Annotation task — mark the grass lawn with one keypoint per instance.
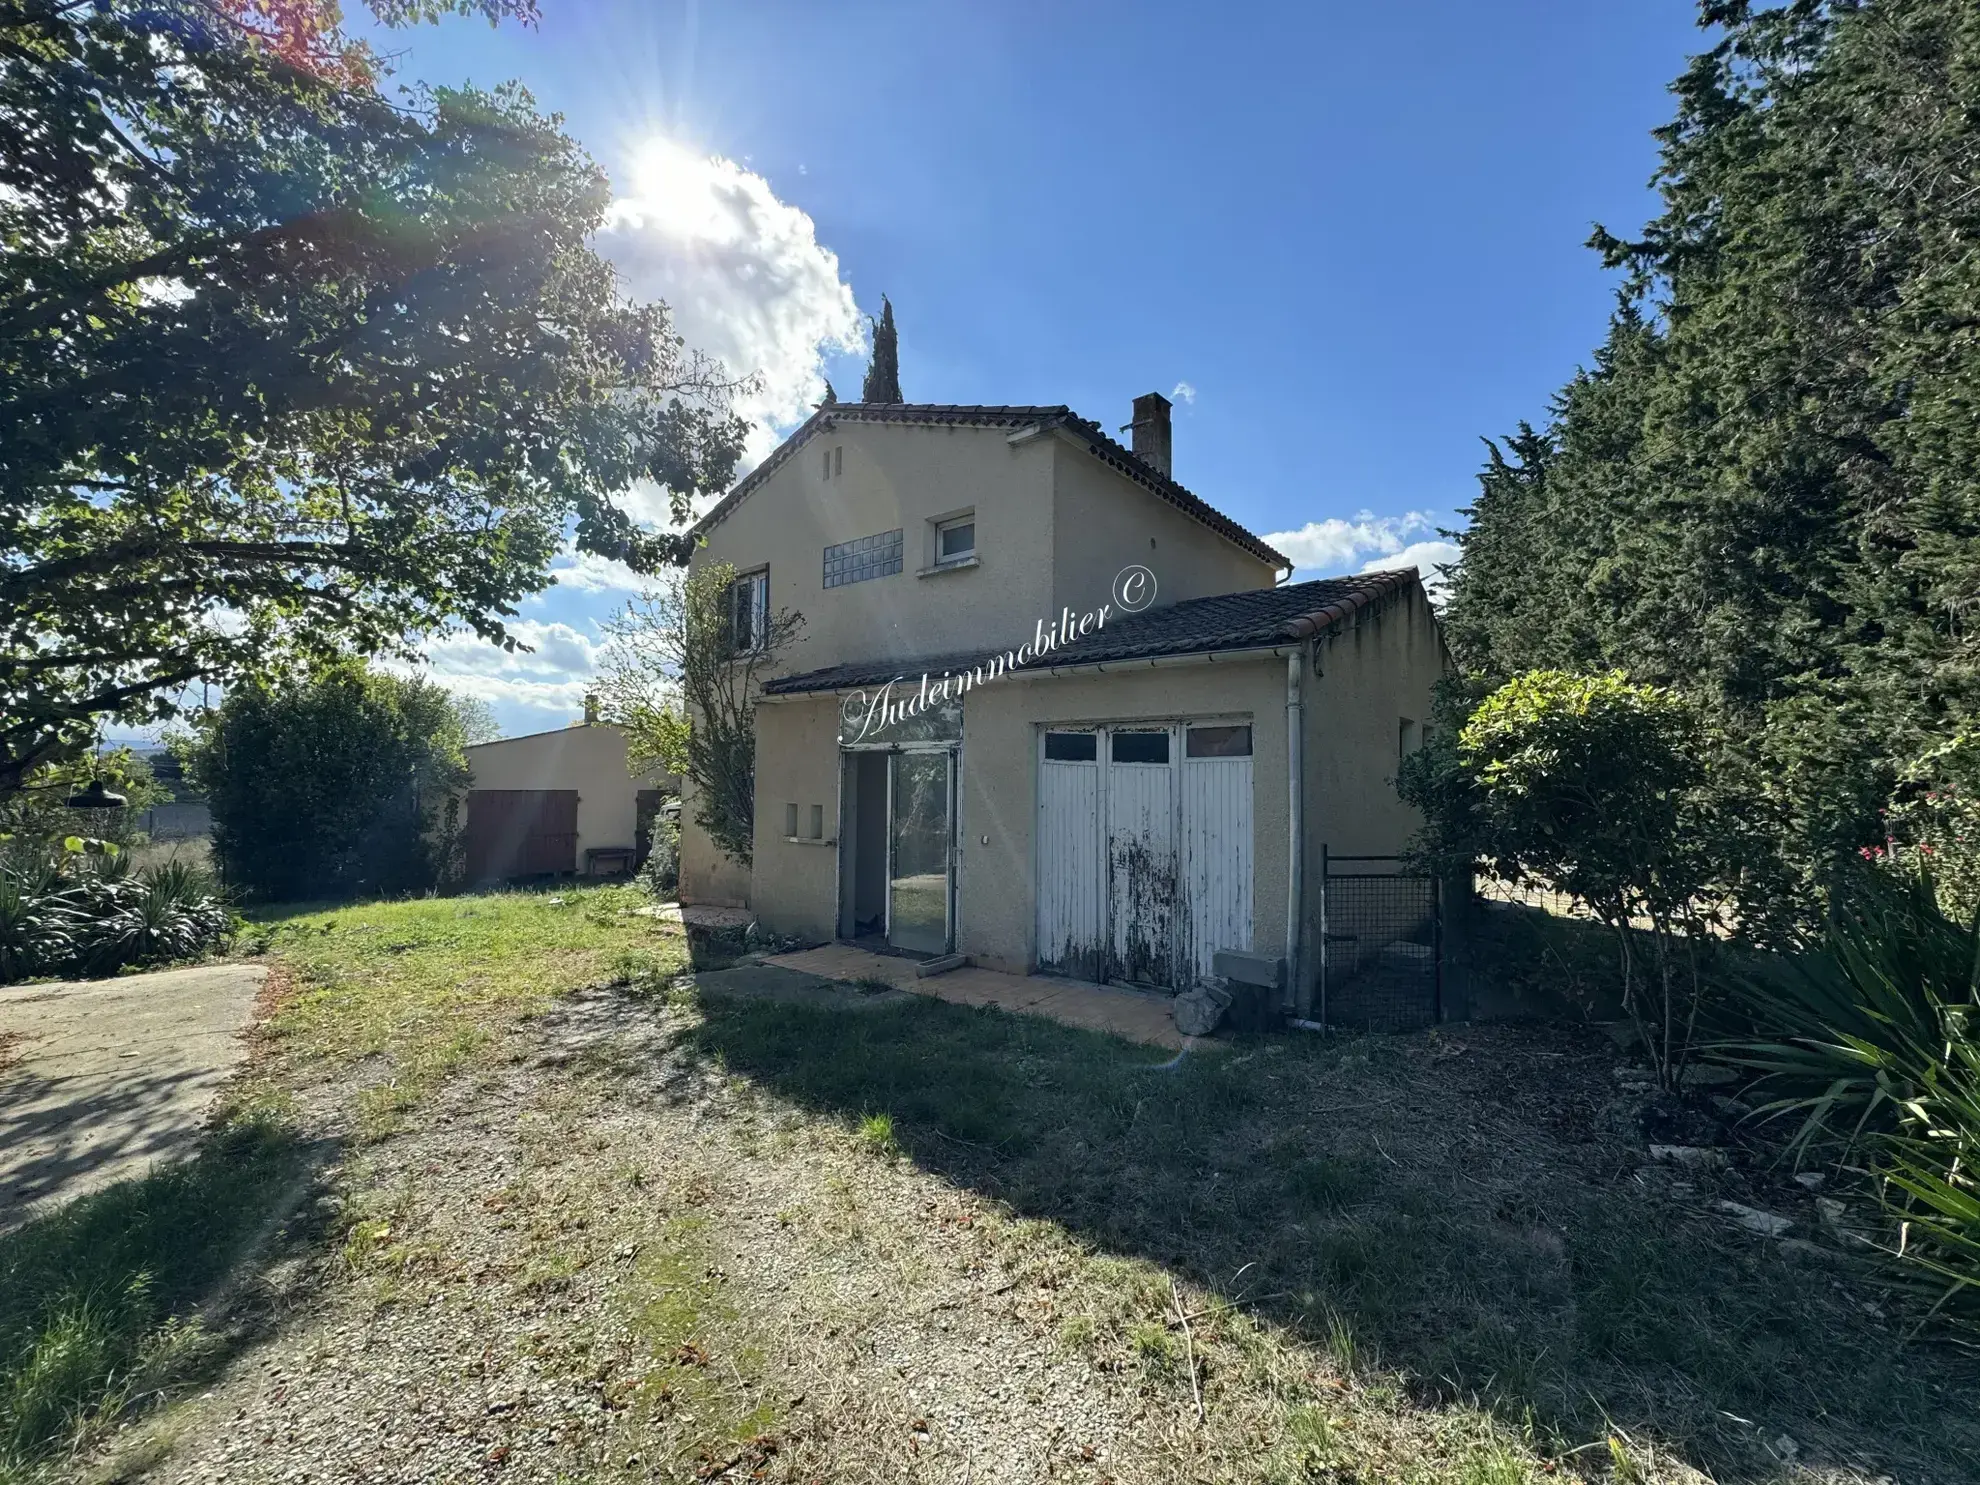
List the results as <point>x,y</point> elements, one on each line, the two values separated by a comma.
<point>677,1231</point>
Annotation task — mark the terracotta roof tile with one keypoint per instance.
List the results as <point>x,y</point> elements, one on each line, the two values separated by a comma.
<point>1258,619</point>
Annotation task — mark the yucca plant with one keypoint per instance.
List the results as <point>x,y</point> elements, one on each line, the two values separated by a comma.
<point>89,914</point>
<point>36,932</point>
<point>1870,1041</point>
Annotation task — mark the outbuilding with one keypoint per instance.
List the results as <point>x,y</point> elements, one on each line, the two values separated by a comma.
<point>559,803</point>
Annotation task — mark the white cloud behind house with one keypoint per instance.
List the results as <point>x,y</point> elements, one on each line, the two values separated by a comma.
<point>1426,557</point>
<point>1368,543</point>
<point>532,688</point>
<point>1329,546</point>
<point>747,279</point>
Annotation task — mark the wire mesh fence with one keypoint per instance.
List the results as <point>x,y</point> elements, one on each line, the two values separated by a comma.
<point>1381,952</point>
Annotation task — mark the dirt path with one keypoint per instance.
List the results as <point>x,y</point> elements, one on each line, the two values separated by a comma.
<point>106,1078</point>
<point>570,1266</point>
<point>641,1239</point>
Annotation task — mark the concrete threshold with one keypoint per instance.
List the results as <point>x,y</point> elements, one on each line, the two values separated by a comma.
<point>1129,1014</point>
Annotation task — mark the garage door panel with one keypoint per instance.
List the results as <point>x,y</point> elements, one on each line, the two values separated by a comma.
<point>1143,889</point>
<point>1070,873</point>
<point>1217,841</point>
<point>520,833</point>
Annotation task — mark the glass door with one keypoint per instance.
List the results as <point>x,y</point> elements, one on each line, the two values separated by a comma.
<point>919,787</point>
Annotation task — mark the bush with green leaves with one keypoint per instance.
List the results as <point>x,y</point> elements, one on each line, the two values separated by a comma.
<point>1933,824</point>
<point>1590,786</point>
<point>333,785</point>
<point>661,875</point>
<point>85,912</point>
<point>1872,1039</point>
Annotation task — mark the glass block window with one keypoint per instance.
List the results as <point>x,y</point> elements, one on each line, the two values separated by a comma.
<point>869,557</point>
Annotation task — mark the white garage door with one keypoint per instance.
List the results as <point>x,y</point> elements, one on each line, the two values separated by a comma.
<point>1071,876</point>
<point>1144,850</point>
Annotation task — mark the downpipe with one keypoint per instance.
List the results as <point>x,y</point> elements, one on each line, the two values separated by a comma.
<point>1295,826</point>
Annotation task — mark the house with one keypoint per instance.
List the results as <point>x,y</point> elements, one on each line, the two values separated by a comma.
<point>557,803</point>
<point>1049,709</point>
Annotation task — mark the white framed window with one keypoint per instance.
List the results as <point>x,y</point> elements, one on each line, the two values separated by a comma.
<point>749,611</point>
<point>955,540</point>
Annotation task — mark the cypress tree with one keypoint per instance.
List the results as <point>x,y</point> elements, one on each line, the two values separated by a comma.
<point>883,377</point>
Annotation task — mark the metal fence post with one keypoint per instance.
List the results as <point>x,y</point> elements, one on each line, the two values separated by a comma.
<point>1322,1017</point>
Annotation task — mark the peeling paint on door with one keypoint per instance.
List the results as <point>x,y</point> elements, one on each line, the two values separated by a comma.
<point>1144,860</point>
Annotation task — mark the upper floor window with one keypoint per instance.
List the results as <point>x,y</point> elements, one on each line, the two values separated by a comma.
<point>869,557</point>
<point>833,461</point>
<point>749,611</point>
<point>955,541</point>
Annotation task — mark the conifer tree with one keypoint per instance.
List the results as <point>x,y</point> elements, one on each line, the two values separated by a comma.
<point>1765,489</point>
<point>883,377</point>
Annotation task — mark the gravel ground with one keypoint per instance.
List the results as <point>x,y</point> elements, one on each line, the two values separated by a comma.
<point>487,1317</point>
<point>593,1254</point>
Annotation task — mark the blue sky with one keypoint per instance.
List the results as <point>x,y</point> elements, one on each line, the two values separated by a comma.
<point>1347,239</point>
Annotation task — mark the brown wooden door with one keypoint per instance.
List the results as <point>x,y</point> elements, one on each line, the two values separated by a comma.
<point>520,832</point>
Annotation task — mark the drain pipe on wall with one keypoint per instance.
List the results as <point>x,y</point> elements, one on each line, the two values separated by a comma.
<point>1295,823</point>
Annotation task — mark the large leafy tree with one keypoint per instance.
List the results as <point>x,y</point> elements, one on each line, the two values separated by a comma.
<point>1765,490</point>
<point>290,368</point>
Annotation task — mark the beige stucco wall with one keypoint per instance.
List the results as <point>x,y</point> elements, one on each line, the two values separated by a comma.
<point>1371,675</point>
<point>797,762</point>
<point>590,759</point>
<point>1102,521</point>
<point>795,888</point>
<point>907,477</point>
<point>707,876</point>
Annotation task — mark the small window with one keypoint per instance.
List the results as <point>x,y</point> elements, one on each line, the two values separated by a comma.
<point>825,468</point>
<point>955,540</point>
<point>749,611</point>
<point>857,561</point>
<point>790,821</point>
<point>1218,742</point>
<point>838,461</point>
<point>1072,747</point>
<point>1141,747</point>
<point>818,822</point>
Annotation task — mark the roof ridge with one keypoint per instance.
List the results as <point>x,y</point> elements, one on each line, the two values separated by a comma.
<point>1058,414</point>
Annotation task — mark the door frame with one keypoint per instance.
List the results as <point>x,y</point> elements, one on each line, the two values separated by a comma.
<point>1178,729</point>
<point>953,748</point>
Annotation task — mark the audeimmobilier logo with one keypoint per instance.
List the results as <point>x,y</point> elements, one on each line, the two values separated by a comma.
<point>865,713</point>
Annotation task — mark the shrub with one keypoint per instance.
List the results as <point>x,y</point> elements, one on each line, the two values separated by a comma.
<point>1590,786</point>
<point>332,785</point>
<point>1933,825</point>
<point>661,875</point>
<point>1873,1039</point>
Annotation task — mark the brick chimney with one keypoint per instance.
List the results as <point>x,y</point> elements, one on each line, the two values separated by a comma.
<point>1151,431</point>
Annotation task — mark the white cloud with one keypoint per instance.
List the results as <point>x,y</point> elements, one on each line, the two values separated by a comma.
<point>589,573</point>
<point>1330,545</point>
<point>553,676</point>
<point>744,273</point>
<point>1426,557</point>
<point>1184,392</point>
